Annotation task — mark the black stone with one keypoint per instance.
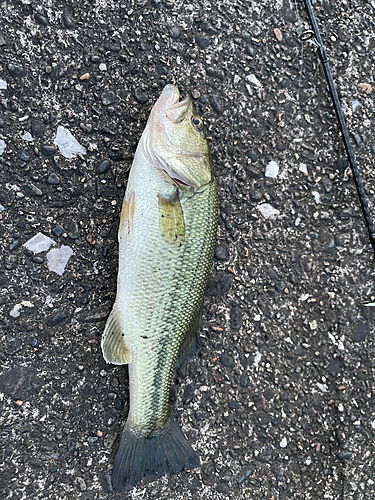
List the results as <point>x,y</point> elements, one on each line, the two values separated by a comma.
<point>68,21</point>
<point>20,382</point>
<point>250,50</point>
<point>232,404</point>
<point>271,273</point>
<point>235,318</point>
<point>53,179</point>
<point>48,151</point>
<point>140,96</point>
<point>189,391</point>
<point>268,393</point>
<point>175,32</point>
<point>28,252</point>
<point>115,154</point>
<point>345,455</point>
<point>214,73</point>
<point>14,245</point>
<point>71,446</point>
<point>244,474</point>
<point>38,260</point>
<point>103,167</point>
<point>37,129</point>
<point>74,191</point>
<point>56,231</point>
<point>41,20</point>
<point>16,71</point>
<point>245,380</point>
<point>342,165</point>
<point>265,455</point>
<point>57,73</point>
<point>202,42</point>
<point>218,287</point>
<point>216,104</point>
<point>198,415</point>
<point>108,97</point>
<point>226,360</point>
<point>221,252</point>
<point>360,332</point>
<point>333,366</point>
<point>161,70</point>
<point>24,155</point>
<point>56,318</point>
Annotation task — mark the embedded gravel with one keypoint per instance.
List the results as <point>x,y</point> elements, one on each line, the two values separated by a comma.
<point>279,404</point>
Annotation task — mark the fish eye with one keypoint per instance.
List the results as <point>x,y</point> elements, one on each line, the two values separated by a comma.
<point>197,123</point>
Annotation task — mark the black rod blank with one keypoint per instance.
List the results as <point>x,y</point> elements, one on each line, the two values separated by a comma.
<point>357,178</point>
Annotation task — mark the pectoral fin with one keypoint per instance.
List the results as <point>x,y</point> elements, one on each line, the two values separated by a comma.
<point>171,218</point>
<point>127,217</point>
<point>114,347</point>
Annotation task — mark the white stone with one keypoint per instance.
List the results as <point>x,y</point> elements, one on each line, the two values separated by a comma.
<point>58,258</point>
<point>236,79</point>
<point>272,169</point>
<point>303,168</point>
<point>16,311</point>
<point>283,443</point>
<point>257,359</point>
<point>267,210</point>
<point>39,243</point>
<point>254,80</point>
<point>2,146</point>
<point>316,196</point>
<point>355,104</point>
<point>322,387</point>
<point>103,67</point>
<point>3,85</point>
<point>313,324</point>
<point>27,137</point>
<point>67,143</point>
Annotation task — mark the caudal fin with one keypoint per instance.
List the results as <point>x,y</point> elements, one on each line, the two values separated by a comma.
<point>138,457</point>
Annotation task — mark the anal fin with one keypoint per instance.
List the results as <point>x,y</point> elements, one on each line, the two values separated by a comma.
<point>114,348</point>
<point>191,344</point>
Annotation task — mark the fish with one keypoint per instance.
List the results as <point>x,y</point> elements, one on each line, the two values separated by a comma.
<point>167,235</point>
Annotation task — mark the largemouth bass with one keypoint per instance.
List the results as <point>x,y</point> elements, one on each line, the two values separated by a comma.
<point>167,235</point>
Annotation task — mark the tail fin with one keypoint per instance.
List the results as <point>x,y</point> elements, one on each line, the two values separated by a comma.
<point>138,456</point>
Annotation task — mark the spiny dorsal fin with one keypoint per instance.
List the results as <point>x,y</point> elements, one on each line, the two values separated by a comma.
<point>114,349</point>
<point>171,218</point>
<point>191,344</point>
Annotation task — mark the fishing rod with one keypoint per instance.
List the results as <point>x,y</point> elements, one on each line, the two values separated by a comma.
<point>353,164</point>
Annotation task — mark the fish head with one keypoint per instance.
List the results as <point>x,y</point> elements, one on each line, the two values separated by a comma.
<point>177,142</point>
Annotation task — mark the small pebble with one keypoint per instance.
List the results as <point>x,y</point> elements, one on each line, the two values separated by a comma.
<point>53,179</point>
<point>365,87</point>
<point>268,210</point>
<point>103,67</point>
<point>103,167</point>
<point>48,151</point>
<point>140,96</point>
<point>108,97</point>
<point>56,231</point>
<point>16,71</point>
<point>85,76</point>
<point>283,443</point>
<point>216,104</point>
<point>175,32</point>
<point>272,170</point>
<point>254,80</point>
<point>25,156</point>
<point>278,34</point>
